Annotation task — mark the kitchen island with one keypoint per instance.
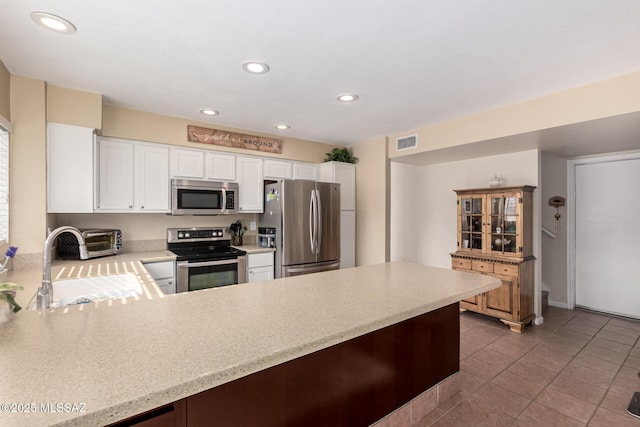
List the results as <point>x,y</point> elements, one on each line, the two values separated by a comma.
<point>111,362</point>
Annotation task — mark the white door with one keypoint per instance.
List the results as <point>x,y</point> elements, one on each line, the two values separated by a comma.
<point>607,257</point>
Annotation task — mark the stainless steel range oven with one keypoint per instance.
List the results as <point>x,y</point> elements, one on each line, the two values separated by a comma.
<point>205,258</point>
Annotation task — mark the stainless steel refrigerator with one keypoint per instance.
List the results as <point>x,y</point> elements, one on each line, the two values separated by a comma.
<point>306,216</point>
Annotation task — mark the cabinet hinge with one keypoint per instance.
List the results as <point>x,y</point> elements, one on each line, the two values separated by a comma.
<point>458,202</point>
<point>520,199</point>
<point>519,248</point>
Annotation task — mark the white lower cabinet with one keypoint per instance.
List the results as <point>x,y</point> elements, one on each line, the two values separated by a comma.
<point>163,272</point>
<point>260,267</point>
<point>251,185</point>
<point>132,176</point>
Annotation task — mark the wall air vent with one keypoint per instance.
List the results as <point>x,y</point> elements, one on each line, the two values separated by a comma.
<point>406,142</point>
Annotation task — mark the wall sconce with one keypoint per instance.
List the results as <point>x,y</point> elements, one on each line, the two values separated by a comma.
<point>557,202</point>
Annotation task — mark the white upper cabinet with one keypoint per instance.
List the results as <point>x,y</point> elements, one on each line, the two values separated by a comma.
<point>345,175</point>
<point>152,177</point>
<point>304,170</point>
<point>277,169</point>
<point>132,177</point>
<point>251,185</point>
<point>70,168</point>
<point>115,175</point>
<point>186,163</point>
<point>220,166</point>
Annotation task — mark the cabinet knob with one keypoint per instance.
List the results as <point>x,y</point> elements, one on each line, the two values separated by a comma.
<point>141,207</point>
<point>130,206</point>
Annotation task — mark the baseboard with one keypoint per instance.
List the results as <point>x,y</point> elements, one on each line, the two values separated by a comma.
<point>558,304</point>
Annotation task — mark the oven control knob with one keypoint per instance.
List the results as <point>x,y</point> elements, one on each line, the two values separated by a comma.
<point>187,235</point>
<point>180,235</point>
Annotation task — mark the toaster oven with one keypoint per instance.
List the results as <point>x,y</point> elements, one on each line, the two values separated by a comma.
<point>100,242</point>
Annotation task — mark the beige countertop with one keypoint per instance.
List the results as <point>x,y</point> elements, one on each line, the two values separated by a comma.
<point>120,360</point>
<point>31,278</point>
<point>254,249</point>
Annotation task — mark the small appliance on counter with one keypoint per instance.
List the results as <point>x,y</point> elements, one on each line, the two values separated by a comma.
<point>99,241</point>
<point>267,237</point>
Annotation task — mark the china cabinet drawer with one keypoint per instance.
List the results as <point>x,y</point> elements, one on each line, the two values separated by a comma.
<point>463,264</point>
<point>485,267</point>
<point>505,269</point>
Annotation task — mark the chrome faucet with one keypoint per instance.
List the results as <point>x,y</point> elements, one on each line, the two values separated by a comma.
<point>44,295</point>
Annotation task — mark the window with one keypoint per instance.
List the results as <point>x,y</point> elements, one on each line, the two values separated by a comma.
<point>4,185</point>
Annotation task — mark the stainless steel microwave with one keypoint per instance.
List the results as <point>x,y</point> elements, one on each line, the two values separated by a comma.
<point>190,197</point>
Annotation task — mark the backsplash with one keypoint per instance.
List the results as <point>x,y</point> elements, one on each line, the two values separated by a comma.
<point>149,227</point>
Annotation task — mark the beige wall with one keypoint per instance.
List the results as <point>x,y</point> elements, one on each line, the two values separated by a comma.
<point>423,216</point>
<point>603,99</point>
<point>28,165</point>
<point>372,217</point>
<point>131,124</point>
<point>5,104</point>
<point>74,107</point>
<point>35,103</point>
<point>554,250</point>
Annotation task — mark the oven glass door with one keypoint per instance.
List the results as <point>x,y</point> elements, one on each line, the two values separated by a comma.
<point>193,276</point>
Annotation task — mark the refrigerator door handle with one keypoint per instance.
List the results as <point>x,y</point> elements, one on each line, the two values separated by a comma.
<point>319,222</point>
<point>312,237</point>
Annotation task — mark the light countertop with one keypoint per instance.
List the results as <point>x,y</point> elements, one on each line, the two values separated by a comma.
<point>123,359</point>
<point>31,278</point>
<point>254,249</point>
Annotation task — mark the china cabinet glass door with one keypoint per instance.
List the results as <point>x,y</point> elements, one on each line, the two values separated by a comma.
<point>471,223</point>
<point>503,221</point>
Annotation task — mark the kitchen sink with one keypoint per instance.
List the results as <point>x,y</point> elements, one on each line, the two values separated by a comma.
<point>90,289</point>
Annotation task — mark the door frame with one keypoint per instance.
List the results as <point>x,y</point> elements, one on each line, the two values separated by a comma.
<point>571,211</point>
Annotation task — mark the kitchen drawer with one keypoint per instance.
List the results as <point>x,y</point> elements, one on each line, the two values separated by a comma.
<point>485,267</point>
<point>260,260</point>
<point>160,269</point>
<point>506,269</point>
<point>463,264</point>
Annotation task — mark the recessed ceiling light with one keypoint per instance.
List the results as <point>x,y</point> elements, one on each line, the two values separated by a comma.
<point>209,112</point>
<point>282,127</point>
<point>347,97</point>
<point>255,67</point>
<point>53,22</point>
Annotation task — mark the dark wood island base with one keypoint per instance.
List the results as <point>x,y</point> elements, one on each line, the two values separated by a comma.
<point>354,383</point>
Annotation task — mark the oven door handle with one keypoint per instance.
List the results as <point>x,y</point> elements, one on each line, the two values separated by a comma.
<point>187,264</point>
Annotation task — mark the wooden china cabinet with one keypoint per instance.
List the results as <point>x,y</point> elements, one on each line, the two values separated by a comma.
<point>495,237</point>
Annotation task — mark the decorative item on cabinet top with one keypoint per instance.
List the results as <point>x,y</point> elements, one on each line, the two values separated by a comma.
<point>232,139</point>
<point>340,154</point>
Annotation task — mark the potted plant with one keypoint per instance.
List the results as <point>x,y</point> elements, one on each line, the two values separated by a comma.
<point>237,231</point>
<point>340,154</point>
<point>8,303</point>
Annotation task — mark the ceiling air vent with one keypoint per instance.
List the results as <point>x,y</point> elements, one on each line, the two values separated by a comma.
<point>406,142</point>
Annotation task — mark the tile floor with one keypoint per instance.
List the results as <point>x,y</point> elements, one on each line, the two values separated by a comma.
<point>576,369</point>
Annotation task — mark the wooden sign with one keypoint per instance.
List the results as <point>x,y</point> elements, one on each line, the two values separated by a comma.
<point>232,139</point>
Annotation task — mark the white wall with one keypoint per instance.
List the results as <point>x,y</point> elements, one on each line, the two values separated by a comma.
<point>554,250</point>
<point>423,204</point>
